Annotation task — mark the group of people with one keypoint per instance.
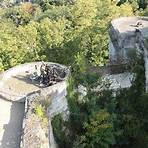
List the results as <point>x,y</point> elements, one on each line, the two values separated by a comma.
<point>138,24</point>
<point>47,74</point>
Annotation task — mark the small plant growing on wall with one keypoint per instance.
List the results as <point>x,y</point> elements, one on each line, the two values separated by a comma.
<point>39,111</point>
<point>41,105</point>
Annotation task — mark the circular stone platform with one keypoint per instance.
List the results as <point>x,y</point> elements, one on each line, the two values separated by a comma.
<point>15,83</point>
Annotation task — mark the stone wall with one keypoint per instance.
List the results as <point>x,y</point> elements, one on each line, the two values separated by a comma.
<point>33,133</point>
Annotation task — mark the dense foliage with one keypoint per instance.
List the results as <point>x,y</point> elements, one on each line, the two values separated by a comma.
<point>132,112</point>
<point>75,33</point>
<point>137,4</point>
<point>63,33</point>
<point>101,119</point>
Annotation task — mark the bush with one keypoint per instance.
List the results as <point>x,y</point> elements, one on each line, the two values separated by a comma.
<point>60,132</point>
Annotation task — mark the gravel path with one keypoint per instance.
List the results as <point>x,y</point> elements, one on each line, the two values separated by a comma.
<point>11,116</point>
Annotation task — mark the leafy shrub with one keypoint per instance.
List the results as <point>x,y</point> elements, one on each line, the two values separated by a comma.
<point>60,132</point>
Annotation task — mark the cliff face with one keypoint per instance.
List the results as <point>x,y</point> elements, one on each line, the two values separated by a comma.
<point>128,37</point>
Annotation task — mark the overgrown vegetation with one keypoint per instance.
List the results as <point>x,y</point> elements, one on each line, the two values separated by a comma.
<point>40,109</point>
<point>62,33</point>
<point>104,120</point>
<point>75,33</point>
<point>132,109</point>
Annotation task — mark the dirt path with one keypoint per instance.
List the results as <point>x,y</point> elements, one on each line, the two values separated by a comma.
<point>11,116</point>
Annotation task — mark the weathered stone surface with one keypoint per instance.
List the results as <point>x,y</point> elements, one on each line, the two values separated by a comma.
<point>128,39</point>
<point>124,39</point>
<point>11,117</point>
<point>34,133</point>
<point>114,82</point>
<point>119,81</point>
<point>15,85</point>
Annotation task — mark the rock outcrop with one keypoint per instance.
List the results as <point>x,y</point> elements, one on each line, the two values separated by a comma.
<point>16,85</point>
<point>128,38</point>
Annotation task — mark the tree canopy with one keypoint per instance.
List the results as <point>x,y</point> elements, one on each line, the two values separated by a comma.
<point>49,31</point>
<point>75,33</point>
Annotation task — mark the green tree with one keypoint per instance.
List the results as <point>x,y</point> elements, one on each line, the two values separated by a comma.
<point>22,14</point>
<point>9,53</point>
<point>92,38</point>
<point>28,41</point>
<point>136,4</point>
<point>98,131</point>
<point>51,36</point>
